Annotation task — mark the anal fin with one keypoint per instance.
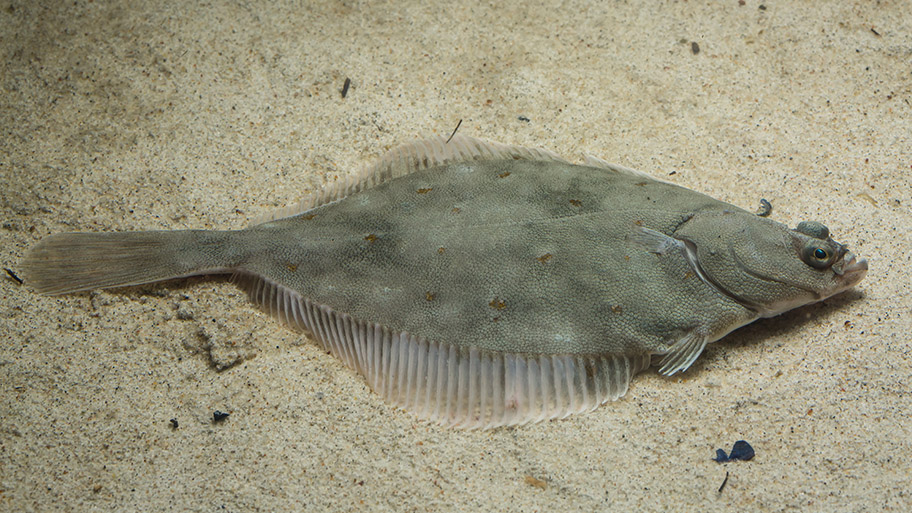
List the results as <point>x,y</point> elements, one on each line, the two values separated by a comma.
<point>464,387</point>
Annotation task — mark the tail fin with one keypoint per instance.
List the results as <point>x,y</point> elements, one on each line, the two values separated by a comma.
<point>72,262</point>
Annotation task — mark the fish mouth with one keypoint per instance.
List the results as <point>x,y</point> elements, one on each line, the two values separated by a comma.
<point>852,269</point>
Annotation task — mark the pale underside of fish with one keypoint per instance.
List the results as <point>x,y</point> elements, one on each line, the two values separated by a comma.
<point>481,285</point>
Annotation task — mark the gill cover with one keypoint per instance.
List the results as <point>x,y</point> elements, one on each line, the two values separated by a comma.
<point>762,264</point>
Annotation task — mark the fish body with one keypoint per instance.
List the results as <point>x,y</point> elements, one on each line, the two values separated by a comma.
<point>481,285</point>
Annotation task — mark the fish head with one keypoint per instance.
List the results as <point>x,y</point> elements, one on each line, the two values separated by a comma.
<point>765,265</point>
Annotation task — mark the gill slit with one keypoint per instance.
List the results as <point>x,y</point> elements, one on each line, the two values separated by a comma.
<point>690,253</point>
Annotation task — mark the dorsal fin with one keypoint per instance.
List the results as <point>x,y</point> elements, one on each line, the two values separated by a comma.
<point>604,164</point>
<point>410,158</point>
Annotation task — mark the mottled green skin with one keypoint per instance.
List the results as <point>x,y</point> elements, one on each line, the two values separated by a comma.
<point>460,255</point>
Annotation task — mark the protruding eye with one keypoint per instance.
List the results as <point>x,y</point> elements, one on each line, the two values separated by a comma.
<point>813,229</point>
<point>816,256</point>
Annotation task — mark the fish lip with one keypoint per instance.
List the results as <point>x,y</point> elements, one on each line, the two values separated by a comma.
<point>853,269</point>
<point>853,265</point>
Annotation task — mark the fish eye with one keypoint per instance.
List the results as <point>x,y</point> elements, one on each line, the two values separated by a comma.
<point>816,256</point>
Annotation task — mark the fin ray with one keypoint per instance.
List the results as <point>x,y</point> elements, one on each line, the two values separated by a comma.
<point>683,353</point>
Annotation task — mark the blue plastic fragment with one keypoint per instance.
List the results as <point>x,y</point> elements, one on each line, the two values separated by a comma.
<point>740,451</point>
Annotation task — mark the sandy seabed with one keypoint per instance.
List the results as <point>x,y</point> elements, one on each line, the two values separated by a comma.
<point>124,115</point>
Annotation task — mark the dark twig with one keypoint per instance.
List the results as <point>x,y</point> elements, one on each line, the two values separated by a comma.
<point>13,275</point>
<point>724,482</point>
<point>454,132</point>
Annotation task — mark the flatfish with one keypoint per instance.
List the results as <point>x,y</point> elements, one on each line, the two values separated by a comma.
<point>478,284</point>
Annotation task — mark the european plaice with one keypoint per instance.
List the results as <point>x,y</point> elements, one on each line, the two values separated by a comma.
<point>478,284</point>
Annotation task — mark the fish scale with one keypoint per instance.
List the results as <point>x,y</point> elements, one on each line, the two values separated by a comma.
<point>480,285</point>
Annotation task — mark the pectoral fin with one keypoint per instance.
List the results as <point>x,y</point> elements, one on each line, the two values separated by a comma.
<point>653,241</point>
<point>683,353</point>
